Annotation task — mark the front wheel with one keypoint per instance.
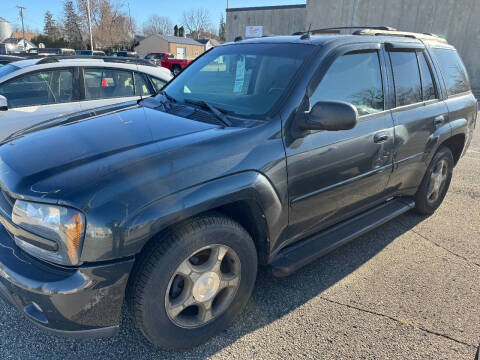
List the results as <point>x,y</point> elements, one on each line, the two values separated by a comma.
<point>193,281</point>
<point>435,183</point>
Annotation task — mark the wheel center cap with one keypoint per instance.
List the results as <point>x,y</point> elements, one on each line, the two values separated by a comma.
<point>206,286</point>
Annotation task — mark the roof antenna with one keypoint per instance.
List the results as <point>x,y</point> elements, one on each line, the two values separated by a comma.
<point>306,36</point>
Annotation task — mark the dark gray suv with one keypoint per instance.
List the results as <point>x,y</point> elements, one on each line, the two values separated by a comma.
<point>271,151</point>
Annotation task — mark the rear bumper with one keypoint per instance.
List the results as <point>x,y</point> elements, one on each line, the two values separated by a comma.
<point>80,302</point>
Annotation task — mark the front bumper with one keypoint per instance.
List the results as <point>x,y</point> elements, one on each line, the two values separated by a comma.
<point>79,302</point>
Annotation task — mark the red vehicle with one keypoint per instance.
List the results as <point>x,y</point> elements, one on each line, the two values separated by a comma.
<point>168,60</point>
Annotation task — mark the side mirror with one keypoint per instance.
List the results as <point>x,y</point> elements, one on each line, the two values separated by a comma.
<point>3,103</point>
<point>331,116</point>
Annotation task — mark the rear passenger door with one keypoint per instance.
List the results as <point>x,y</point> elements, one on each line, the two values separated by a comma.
<point>106,86</point>
<point>418,112</point>
<point>38,96</point>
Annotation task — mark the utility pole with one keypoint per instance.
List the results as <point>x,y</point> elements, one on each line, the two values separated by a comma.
<point>21,8</point>
<point>90,25</point>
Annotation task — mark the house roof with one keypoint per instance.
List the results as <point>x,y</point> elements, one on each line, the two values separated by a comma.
<point>177,39</point>
<point>214,42</point>
<point>28,36</point>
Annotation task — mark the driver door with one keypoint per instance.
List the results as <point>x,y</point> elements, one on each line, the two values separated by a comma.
<point>333,175</point>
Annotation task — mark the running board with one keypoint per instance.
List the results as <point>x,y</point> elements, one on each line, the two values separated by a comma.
<point>298,255</point>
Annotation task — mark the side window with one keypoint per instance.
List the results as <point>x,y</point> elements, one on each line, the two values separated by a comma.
<point>40,88</point>
<point>356,79</point>
<point>108,83</point>
<point>428,88</point>
<point>406,76</point>
<point>453,70</point>
<point>159,84</point>
<point>141,85</point>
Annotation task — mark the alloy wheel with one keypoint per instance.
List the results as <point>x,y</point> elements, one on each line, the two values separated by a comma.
<point>203,286</point>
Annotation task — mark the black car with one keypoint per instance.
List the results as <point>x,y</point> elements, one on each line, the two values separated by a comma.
<point>270,151</point>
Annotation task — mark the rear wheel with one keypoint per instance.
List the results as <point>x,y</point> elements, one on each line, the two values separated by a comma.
<point>176,70</point>
<point>193,281</point>
<point>435,183</point>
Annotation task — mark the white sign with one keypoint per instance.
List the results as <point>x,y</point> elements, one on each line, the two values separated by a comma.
<point>239,76</point>
<point>253,31</point>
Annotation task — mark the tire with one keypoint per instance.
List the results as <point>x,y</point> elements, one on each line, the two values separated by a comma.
<point>159,282</point>
<point>442,163</point>
<point>176,70</point>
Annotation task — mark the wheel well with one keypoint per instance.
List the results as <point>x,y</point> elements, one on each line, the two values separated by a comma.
<point>455,144</point>
<point>249,214</point>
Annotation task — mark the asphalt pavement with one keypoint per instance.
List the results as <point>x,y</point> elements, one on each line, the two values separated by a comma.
<point>408,290</point>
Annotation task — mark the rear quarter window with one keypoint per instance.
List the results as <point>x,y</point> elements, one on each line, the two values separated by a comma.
<point>453,71</point>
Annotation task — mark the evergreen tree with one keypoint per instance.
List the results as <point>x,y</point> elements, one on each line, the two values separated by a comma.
<point>71,25</point>
<point>50,28</point>
<point>175,30</point>
<point>181,31</point>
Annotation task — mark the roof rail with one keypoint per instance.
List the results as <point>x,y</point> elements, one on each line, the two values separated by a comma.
<point>112,59</point>
<point>413,35</point>
<point>385,28</point>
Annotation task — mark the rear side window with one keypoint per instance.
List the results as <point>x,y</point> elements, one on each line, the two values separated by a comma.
<point>141,85</point>
<point>107,83</point>
<point>354,78</point>
<point>159,84</point>
<point>428,87</point>
<point>406,76</point>
<point>40,88</point>
<point>453,70</point>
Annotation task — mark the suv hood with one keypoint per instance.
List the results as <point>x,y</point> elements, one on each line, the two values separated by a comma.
<point>84,147</point>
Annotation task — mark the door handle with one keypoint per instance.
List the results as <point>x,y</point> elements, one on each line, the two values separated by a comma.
<point>438,120</point>
<point>380,137</point>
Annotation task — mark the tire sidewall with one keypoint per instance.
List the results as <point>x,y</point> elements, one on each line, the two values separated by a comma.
<point>422,204</point>
<point>158,327</point>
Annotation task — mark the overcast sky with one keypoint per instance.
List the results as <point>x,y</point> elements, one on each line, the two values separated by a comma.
<point>139,9</point>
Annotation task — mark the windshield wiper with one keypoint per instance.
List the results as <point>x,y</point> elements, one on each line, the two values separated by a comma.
<point>221,116</point>
<point>164,93</point>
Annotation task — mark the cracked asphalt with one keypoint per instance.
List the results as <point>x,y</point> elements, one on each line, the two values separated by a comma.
<point>408,290</point>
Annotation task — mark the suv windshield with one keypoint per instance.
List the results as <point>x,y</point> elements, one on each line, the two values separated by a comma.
<point>242,79</point>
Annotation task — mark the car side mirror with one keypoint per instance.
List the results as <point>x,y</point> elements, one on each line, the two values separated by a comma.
<point>3,103</point>
<point>331,116</point>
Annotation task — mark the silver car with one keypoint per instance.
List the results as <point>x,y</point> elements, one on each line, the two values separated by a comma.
<point>35,90</point>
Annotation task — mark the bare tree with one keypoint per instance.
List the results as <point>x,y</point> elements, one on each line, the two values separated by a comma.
<point>197,22</point>
<point>157,25</point>
<point>112,27</point>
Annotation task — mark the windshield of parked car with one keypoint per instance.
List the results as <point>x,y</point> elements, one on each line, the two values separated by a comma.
<point>7,69</point>
<point>242,79</point>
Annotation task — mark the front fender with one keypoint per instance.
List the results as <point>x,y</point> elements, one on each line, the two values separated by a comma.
<point>154,217</point>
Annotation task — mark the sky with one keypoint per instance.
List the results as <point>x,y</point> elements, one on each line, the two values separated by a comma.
<point>140,10</point>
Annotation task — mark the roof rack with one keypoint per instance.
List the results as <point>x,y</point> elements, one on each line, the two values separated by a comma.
<point>377,31</point>
<point>330,29</point>
<point>112,59</point>
<point>413,35</point>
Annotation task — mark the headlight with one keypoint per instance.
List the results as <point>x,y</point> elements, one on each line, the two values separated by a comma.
<point>63,225</point>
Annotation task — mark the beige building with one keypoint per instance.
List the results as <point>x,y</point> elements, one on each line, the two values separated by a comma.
<point>181,48</point>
